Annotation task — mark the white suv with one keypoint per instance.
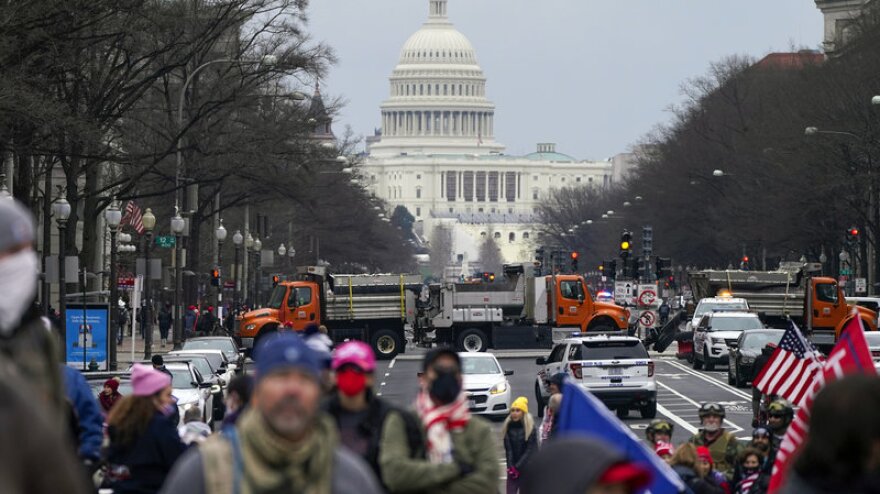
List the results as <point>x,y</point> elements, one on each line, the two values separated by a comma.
<point>616,369</point>
<point>711,304</point>
<point>715,330</point>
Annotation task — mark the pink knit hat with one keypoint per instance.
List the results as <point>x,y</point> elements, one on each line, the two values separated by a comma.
<point>147,381</point>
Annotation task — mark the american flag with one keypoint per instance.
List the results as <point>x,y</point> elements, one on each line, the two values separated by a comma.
<point>746,483</point>
<point>133,217</point>
<point>791,369</point>
<point>849,356</point>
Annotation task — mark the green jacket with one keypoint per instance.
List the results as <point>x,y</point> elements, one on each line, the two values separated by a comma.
<point>33,353</point>
<point>407,471</point>
<point>725,450</point>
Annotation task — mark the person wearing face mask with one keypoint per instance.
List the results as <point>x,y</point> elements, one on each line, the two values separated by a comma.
<point>722,444</point>
<point>144,442</point>
<point>26,338</point>
<point>360,415</point>
<point>751,478</point>
<point>458,453</point>
<point>761,442</point>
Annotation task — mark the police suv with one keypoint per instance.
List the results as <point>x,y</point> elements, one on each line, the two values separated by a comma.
<point>615,368</point>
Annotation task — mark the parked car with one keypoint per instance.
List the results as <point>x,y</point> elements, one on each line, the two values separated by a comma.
<point>209,374</point>
<point>225,344</point>
<point>96,381</point>
<point>485,384</point>
<point>216,357</point>
<point>715,330</point>
<point>743,352</point>
<point>616,369</point>
<point>191,389</point>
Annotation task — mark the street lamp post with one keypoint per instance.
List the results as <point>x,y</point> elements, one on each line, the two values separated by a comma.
<point>291,253</point>
<point>62,213</point>
<point>220,234</point>
<point>237,239</point>
<point>258,248</point>
<point>177,226</point>
<point>113,216</point>
<point>149,221</point>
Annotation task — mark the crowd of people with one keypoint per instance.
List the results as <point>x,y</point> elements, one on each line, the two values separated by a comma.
<point>310,421</point>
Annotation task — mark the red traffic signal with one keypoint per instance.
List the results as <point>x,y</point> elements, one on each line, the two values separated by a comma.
<point>574,255</point>
<point>853,232</point>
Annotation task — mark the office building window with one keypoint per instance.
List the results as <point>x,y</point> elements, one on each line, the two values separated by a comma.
<point>493,186</point>
<point>468,186</point>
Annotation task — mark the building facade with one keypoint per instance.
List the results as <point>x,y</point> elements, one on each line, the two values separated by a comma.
<point>436,152</point>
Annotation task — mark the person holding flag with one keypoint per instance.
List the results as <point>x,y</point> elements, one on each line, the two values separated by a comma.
<point>838,450</point>
<point>582,417</point>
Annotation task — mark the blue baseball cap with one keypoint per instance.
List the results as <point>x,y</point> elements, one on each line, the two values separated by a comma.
<point>284,351</point>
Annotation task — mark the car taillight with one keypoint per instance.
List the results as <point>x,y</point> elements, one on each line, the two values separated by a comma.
<point>650,369</point>
<point>577,371</point>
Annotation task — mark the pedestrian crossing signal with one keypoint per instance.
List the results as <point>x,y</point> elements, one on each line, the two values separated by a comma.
<point>215,277</point>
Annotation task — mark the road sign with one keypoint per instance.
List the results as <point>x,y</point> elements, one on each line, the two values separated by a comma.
<point>845,271</point>
<point>647,295</point>
<point>861,285</point>
<point>165,241</point>
<point>647,318</point>
<point>624,293</point>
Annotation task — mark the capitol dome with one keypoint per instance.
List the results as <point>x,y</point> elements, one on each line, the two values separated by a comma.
<point>437,100</point>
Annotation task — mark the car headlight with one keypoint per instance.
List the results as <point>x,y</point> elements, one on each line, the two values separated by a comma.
<point>498,388</point>
<point>250,327</point>
<point>717,341</point>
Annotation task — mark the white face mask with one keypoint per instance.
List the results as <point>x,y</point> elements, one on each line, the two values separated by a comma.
<point>18,284</point>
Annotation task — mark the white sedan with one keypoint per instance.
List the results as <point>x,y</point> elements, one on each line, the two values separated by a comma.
<point>485,384</point>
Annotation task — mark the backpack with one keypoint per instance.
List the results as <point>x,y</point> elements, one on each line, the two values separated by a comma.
<point>414,439</point>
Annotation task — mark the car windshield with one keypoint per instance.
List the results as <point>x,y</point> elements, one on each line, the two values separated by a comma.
<point>479,365</point>
<point>706,307</point>
<point>216,359</point>
<point>223,345</point>
<point>873,338</point>
<point>201,364</point>
<point>277,297</point>
<point>181,378</point>
<point>756,340</point>
<point>613,350</point>
<point>98,386</point>
<point>735,323</point>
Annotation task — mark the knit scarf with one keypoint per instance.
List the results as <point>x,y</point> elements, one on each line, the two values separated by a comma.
<point>439,421</point>
<point>273,465</point>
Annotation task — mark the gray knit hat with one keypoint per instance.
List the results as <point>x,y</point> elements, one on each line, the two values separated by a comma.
<point>16,225</point>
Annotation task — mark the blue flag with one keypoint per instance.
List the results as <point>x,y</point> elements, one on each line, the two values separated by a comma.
<point>582,413</point>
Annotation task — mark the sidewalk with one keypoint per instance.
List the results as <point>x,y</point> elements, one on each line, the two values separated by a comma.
<point>123,352</point>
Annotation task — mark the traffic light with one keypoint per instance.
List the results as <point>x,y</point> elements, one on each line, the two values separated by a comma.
<point>574,262</point>
<point>663,267</point>
<point>215,277</point>
<point>488,277</point>
<point>852,234</point>
<point>625,244</point>
<point>609,269</point>
<point>744,263</point>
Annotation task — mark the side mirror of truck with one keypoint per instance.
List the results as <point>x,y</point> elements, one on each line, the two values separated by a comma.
<point>581,299</point>
<point>541,360</point>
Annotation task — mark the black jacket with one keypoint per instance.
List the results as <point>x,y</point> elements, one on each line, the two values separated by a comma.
<point>517,447</point>
<point>148,459</point>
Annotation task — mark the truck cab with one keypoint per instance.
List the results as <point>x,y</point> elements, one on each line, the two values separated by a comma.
<point>576,308</point>
<point>292,304</point>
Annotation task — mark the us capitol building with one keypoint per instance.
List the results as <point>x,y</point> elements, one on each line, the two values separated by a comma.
<point>436,152</point>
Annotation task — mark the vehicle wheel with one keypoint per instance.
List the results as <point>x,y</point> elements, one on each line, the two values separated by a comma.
<point>696,362</point>
<point>539,400</point>
<point>649,411</point>
<point>386,344</point>
<point>472,340</point>
<point>690,358</point>
<point>622,412</point>
<point>738,380</point>
<point>706,361</point>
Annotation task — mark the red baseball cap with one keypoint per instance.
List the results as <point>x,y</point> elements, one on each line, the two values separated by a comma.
<point>631,474</point>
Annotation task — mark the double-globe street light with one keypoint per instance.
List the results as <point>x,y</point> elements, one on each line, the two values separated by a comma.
<point>149,222</point>
<point>113,216</point>
<point>237,240</point>
<point>61,208</point>
<point>220,234</point>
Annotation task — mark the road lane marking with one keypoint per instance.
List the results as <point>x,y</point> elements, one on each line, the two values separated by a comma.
<point>678,420</point>
<point>712,380</point>
<point>391,365</point>
<point>382,383</point>
<point>697,405</point>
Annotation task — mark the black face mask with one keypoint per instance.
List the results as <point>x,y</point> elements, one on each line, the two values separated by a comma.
<point>445,387</point>
<point>750,471</point>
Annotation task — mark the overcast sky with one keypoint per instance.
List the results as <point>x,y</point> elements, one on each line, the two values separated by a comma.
<point>592,76</point>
